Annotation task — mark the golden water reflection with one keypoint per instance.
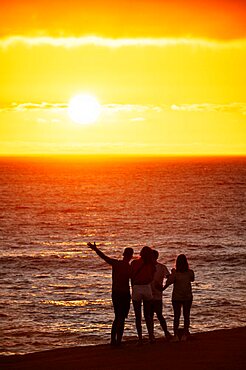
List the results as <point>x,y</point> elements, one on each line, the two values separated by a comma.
<point>77,303</point>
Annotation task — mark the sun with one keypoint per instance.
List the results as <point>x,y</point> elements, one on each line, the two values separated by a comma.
<point>84,109</point>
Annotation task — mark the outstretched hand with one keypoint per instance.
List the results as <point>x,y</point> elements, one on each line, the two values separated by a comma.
<point>92,246</point>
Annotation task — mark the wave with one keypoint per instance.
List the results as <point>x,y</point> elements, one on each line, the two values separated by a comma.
<point>75,257</point>
<point>3,315</point>
<point>238,259</point>
<point>42,262</point>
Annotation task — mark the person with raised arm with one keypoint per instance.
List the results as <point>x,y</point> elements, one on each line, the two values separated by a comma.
<point>121,296</point>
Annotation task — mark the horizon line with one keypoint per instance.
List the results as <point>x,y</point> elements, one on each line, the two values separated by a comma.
<point>147,155</point>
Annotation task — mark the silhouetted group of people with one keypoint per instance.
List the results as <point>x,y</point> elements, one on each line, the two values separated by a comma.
<point>147,276</point>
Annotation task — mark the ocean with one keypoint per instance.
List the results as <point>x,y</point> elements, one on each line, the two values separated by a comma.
<point>56,292</point>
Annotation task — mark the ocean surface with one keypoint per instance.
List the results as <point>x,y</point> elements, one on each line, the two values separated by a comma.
<point>55,291</point>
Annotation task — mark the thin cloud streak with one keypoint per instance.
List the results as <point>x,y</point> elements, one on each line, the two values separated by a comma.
<point>235,107</point>
<point>23,107</point>
<point>131,108</point>
<point>72,42</point>
<point>208,107</point>
<point>107,108</point>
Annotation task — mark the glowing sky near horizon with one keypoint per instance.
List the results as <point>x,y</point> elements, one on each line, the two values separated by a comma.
<point>170,76</point>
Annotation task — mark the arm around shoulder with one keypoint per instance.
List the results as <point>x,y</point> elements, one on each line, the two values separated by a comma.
<point>170,279</point>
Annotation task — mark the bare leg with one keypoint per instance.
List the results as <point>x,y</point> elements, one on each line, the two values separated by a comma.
<point>158,311</point>
<point>113,332</point>
<point>137,310</point>
<point>149,319</point>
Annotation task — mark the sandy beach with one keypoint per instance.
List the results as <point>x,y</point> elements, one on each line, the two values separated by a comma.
<point>220,349</point>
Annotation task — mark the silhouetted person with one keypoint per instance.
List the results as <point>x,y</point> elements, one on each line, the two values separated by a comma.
<point>121,296</point>
<point>181,278</point>
<point>161,272</point>
<point>142,273</point>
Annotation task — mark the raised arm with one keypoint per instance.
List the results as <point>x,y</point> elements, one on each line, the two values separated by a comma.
<point>100,253</point>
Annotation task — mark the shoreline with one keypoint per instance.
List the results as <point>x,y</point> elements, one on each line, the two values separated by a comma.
<point>213,350</point>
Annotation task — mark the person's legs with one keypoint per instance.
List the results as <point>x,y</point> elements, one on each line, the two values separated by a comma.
<point>158,310</point>
<point>123,310</point>
<point>119,329</point>
<point>121,304</point>
<point>113,333</point>
<point>137,310</point>
<point>186,313</point>
<point>152,309</point>
<point>114,324</point>
<point>149,318</point>
<point>177,311</point>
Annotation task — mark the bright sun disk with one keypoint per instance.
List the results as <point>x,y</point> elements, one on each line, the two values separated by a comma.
<point>84,109</point>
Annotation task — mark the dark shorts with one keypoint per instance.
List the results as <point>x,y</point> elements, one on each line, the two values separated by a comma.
<point>121,302</point>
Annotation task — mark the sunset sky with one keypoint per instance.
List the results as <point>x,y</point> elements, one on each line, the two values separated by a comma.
<point>170,76</point>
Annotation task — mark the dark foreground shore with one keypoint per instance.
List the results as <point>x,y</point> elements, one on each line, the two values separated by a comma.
<point>215,350</point>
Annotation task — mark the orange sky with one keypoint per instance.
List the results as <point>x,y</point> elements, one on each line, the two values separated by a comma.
<point>170,76</point>
<point>210,18</point>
